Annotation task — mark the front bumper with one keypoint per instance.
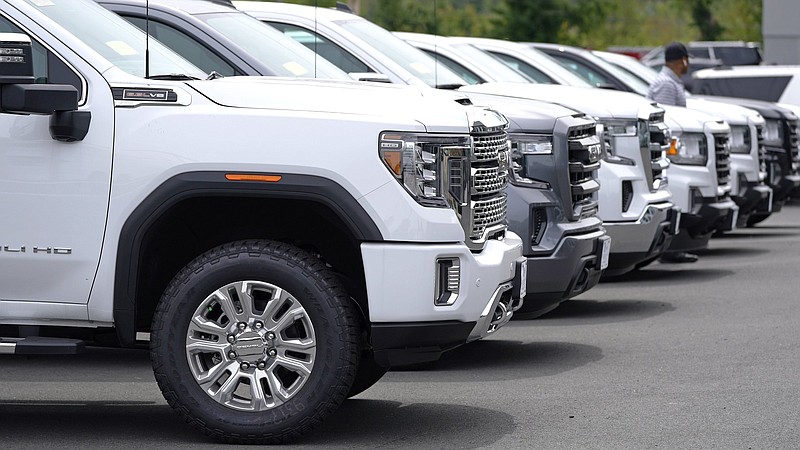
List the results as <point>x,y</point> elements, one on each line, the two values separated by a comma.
<point>756,198</point>
<point>633,243</point>
<point>572,269</point>
<point>401,283</point>
<point>696,228</point>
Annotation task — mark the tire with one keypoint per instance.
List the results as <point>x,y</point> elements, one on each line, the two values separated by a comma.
<point>369,373</point>
<point>269,372</point>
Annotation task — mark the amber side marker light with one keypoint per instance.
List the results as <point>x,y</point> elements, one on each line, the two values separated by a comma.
<point>673,147</point>
<point>253,177</point>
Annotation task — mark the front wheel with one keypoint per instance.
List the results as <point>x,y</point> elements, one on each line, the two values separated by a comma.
<point>255,342</point>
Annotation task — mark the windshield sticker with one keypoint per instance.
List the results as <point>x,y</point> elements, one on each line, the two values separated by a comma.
<point>420,67</point>
<point>41,3</point>
<point>122,48</point>
<point>295,68</point>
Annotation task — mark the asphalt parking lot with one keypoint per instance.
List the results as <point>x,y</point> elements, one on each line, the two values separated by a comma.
<point>702,355</point>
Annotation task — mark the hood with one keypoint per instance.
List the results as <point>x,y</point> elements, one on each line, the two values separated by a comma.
<point>601,103</point>
<point>437,111</point>
<point>525,115</point>
<point>685,120</point>
<point>768,110</point>
<point>733,114</point>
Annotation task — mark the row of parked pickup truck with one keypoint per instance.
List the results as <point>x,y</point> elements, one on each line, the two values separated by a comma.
<point>283,202</point>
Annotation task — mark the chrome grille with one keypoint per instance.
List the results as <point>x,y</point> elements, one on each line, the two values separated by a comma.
<point>722,153</point>
<point>762,149</point>
<point>660,138</point>
<point>487,147</point>
<point>793,140</point>
<point>489,180</point>
<point>584,161</point>
<point>489,170</point>
<point>487,213</point>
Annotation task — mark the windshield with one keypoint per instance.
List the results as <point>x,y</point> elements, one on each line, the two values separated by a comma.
<point>490,64</point>
<point>271,47</point>
<point>412,59</point>
<point>114,38</point>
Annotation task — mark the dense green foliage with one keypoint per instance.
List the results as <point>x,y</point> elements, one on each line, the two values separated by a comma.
<point>588,23</point>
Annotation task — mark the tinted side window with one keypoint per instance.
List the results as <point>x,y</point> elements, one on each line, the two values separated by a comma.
<point>47,67</point>
<point>589,74</point>
<point>468,75</point>
<point>184,45</point>
<point>323,47</point>
<point>699,52</point>
<point>532,72</point>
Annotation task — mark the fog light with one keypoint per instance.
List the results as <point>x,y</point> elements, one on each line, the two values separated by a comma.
<point>448,280</point>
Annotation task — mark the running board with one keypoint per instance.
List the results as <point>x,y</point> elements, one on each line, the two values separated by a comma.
<point>37,345</point>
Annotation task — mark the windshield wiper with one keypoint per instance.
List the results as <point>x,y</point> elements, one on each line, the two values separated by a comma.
<point>173,77</point>
<point>214,75</point>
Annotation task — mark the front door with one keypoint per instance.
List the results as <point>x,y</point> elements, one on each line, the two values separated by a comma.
<point>53,195</point>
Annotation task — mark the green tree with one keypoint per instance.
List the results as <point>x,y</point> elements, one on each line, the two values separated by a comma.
<point>587,23</point>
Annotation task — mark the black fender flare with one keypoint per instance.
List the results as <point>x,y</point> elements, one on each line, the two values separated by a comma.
<point>215,184</point>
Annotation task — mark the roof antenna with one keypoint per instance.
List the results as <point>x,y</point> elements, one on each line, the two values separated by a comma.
<point>342,6</point>
<point>147,39</point>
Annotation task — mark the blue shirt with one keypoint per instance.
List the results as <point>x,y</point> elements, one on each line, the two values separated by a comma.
<point>667,88</point>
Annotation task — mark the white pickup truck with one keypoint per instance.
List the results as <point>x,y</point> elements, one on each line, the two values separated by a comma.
<point>276,241</point>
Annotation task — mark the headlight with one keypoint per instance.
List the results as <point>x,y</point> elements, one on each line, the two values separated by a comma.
<point>523,149</point>
<point>689,148</point>
<point>773,133</point>
<point>615,130</point>
<point>416,161</point>
<point>740,139</point>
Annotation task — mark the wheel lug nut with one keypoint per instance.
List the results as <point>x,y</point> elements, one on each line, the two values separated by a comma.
<point>231,338</point>
<point>232,355</point>
<point>242,326</point>
<point>258,325</point>
<point>272,352</point>
<point>261,365</point>
<point>245,365</point>
<point>270,335</point>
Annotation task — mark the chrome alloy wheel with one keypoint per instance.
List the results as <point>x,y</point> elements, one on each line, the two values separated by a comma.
<point>251,346</point>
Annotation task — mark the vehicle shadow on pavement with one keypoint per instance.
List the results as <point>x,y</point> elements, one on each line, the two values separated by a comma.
<point>358,422</point>
<point>732,251</point>
<point>585,311</point>
<point>752,235</point>
<point>105,365</point>
<point>670,274</point>
<point>771,227</point>
<point>93,425</point>
<point>370,423</point>
<point>496,360</point>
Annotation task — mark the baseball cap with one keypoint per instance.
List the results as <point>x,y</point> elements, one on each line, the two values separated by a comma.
<point>675,51</point>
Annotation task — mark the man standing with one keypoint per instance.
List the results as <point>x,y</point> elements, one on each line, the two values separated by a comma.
<point>667,88</point>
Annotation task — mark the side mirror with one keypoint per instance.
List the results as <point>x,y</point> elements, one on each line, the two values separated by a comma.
<point>38,98</point>
<point>18,94</point>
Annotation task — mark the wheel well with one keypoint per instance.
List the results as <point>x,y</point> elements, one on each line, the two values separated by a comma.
<point>196,225</point>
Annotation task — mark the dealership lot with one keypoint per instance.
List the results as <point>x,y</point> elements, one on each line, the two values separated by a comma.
<point>701,355</point>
